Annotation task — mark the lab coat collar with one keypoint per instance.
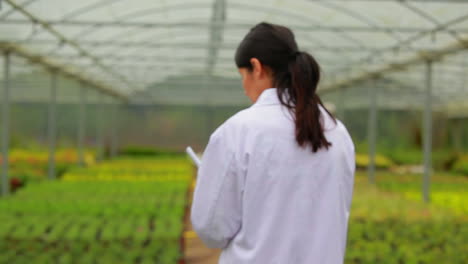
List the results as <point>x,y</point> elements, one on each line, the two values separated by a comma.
<point>268,97</point>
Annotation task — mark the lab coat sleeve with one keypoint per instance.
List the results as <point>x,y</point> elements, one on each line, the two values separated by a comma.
<point>217,203</point>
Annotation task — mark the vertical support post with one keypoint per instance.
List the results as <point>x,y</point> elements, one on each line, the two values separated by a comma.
<point>341,111</point>
<point>210,119</point>
<point>372,129</point>
<point>427,133</point>
<point>6,124</point>
<point>117,112</point>
<point>51,124</point>
<point>465,89</point>
<point>209,122</point>
<point>457,135</point>
<point>99,128</point>
<point>82,125</point>
<point>463,139</point>
<point>113,147</point>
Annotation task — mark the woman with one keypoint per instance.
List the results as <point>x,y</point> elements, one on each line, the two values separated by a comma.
<point>276,179</point>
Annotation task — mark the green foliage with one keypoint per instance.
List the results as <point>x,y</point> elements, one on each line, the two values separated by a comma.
<point>456,201</point>
<point>396,241</point>
<point>461,164</point>
<point>404,156</point>
<point>92,221</point>
<point>447,190</point>
<point>381,162</point>
<point>138,151</point>
<point>389,225</point>
<point>442,159</point>
<point>30,165</point>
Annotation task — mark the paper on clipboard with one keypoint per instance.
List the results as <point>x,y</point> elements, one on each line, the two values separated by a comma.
<point>193,156</point>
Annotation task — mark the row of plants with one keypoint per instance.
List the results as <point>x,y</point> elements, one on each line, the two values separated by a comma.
<point>442,160</point>
<point>120,219</point>
<point>446,190</point>
<point>142,169</point>
<point>381,162</point>
<point>140,151</point>
<point>397,241</point>
<point>461,164</point>
<point>30,165</point>
<point>40,156</point>
<point>386,226</point>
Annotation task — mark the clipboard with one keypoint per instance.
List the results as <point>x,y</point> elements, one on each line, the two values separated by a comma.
<point>196,160</point>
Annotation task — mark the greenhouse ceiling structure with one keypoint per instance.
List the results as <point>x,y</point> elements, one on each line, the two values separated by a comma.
<point>392,54</point>
<point>181,52</point>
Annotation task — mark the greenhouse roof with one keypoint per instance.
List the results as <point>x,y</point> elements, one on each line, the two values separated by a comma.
<point>181,52</point>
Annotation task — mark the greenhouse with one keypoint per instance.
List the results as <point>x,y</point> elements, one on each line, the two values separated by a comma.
<point>100,98</point>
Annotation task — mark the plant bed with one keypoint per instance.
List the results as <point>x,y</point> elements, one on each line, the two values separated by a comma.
<point>381,162</point>
<point>388,226</point>
<point>121,219</point>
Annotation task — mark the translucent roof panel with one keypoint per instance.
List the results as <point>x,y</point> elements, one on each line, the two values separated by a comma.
<point>139,49</point>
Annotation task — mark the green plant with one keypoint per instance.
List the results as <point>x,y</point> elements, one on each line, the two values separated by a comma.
<point>381,162</point>
<point>396,241</point>
<point>388,225</point>
<point>138,151</point>
<point>93,220</point>
<point>461,165</point>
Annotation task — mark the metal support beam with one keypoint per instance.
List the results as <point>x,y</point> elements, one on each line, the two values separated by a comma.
<point>341,107</point>
<point>51,125</point>
<point>427,133</point>
<point>457,135</point>
<point>372,129</point>
<point>210,121</point>
<point>421,57</point>
<point>82,125</point>
<point>218,20</point>
<point>63,40</point>
<point>191,44</point>
<point>239,26</point>
<point>113,146</point>
<point>59,68</point>
<point>100,106</point>
<point>463,142</point>
<point>6,124</point>
<point>464,66</point>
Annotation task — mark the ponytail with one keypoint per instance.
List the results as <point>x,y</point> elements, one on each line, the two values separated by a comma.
<point>305,76</point>
<point>296,76</point>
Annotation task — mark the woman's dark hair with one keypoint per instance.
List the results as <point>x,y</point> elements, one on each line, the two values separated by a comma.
<point>296,75</point>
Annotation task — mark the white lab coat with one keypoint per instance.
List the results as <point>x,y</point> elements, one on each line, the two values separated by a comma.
<point>264,200</point>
